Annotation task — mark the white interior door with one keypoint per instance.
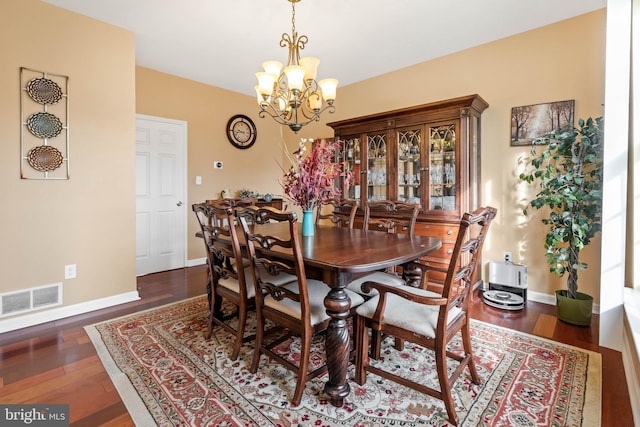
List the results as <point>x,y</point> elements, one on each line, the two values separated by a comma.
<point>161,211</point>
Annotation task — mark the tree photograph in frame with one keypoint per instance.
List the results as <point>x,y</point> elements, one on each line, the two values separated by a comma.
<point>531,123</point>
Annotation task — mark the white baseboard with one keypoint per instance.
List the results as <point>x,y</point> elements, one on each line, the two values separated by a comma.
<point>19,322</point>
<point>197,261</point>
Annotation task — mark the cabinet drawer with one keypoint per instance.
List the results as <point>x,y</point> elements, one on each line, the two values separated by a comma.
<point>441,231</point>
<point>444,253</point>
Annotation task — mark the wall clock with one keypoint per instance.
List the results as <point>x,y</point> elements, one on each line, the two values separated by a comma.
<point>241,131</point>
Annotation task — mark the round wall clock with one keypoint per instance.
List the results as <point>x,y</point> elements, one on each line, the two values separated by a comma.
<point>241,131</point>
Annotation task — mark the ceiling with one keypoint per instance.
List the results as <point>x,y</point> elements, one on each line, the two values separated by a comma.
<point>224,42</point>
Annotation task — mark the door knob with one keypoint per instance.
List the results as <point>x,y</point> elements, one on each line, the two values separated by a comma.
<point>179,203</point>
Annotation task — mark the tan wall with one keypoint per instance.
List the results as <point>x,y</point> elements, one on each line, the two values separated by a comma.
<point>206,109</point>
<point>554,63</point>
<point>87,220</point>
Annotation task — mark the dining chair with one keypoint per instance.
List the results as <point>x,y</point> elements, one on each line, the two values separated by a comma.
<point>228,275</point>
<point>206,217</point>
<point>426,318</point>
<point>391,217</point>
<point>232,202</point>
<point>297,306</point>
<point>342,214</point>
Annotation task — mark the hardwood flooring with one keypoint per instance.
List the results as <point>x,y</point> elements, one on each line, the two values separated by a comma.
<point>56,362</point>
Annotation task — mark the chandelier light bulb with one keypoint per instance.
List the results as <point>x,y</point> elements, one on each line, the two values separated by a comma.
<point>315,101</point>
<point>272,67</point>
<point>310,65</point>
<point>328,87</point>
<point>295,77</point>
<point>266,82</point>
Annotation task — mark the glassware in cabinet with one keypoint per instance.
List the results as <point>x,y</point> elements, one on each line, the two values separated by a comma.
<point>352,164</point>
<point>442,167</point>
<point>409,153</point>
<point>376,167</point>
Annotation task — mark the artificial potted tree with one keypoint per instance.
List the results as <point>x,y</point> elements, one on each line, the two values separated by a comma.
<point>569,174</point>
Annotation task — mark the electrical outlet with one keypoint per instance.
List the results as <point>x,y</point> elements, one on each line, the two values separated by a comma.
<point>217,164</point>
<point>507,256</point>
<point>70,271</point>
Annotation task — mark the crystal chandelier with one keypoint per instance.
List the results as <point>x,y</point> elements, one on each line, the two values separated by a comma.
<point>293,97</point>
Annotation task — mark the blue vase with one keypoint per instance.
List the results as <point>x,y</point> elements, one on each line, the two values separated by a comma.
<point>307,223</point>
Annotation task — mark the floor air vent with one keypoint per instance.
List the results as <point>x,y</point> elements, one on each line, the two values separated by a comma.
<point>30,299</point>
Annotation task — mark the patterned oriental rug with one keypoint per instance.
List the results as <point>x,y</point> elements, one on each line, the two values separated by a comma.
<point>168,375</point>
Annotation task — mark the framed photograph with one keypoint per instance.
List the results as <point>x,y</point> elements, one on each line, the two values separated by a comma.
<point>532,123</point>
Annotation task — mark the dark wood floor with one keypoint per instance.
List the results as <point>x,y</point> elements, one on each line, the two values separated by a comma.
<point>56,362</point>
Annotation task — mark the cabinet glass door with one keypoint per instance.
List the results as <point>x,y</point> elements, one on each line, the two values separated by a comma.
<point>352,164</point>
<point>376,167</point>
<point>442,167</point>
<point>409,165</point>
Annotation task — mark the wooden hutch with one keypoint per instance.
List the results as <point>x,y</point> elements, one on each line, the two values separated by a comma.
<point>427,154</point>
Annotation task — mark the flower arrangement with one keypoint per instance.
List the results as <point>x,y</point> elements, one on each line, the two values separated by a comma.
<point>310,180</point>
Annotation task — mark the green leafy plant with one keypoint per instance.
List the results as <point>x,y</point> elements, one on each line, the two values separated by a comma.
<point>569,174</point>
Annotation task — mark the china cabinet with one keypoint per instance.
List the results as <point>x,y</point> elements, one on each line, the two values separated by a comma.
<point>427,154</point>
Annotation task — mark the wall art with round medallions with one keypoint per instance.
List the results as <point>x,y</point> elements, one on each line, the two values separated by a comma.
<point>44,115</point>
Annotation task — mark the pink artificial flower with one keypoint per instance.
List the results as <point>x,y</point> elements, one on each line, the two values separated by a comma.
<point>311,180</point>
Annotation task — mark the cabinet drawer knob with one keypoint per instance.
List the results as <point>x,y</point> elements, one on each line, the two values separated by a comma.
<point>450,251</point>
<point>449,232</point>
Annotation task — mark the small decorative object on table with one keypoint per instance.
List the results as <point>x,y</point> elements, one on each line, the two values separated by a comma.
<point>244,193</point>
<point>310,180</point>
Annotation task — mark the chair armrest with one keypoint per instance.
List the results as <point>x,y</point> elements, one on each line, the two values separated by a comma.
<point>416,268</point>
<point>407,293</point>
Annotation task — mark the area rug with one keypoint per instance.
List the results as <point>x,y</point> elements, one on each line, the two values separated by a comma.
<point>168,375</point>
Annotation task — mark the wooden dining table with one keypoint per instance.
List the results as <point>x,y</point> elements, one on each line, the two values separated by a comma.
<point>336,255</point>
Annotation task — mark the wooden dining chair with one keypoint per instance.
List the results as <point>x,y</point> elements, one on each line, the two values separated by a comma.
<point>228,275</point>
<point>297,306</point>
<point>426,318</point>
<point>232,202</point>
<point>391,217</point>
<point>342,214</point>
<point>206,217</point>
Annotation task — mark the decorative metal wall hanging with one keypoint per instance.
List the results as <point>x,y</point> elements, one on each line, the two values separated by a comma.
<point>44,115</point>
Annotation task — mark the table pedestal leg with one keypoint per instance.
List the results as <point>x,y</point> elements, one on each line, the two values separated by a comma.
<point>337,346</point>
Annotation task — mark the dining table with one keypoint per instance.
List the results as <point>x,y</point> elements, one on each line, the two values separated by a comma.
<point>337,255</point>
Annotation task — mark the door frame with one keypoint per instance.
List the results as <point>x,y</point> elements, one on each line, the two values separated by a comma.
<point>185,224</point>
